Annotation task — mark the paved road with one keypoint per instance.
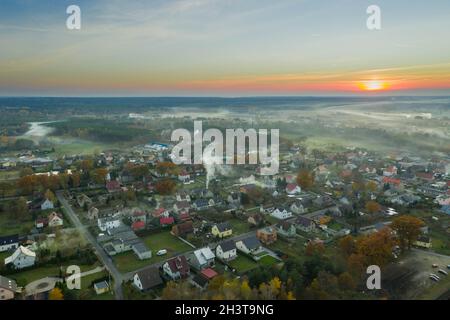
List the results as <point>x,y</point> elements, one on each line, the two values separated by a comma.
<point>104,258</point>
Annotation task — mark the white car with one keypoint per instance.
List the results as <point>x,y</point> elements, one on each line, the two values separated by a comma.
<point>443,271</point>
<point>161,252</point>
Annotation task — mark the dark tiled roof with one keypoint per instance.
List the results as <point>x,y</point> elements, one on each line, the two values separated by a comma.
<point>224,226</point>
<point>9,239</point>
<point>227,245</point>
<point>251,242</point>
<point>149,278</point>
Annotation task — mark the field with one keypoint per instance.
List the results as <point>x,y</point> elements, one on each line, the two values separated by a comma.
<point>9,175</point>
<point>239,226</point>
<point>243,264</point>
<point>127,262</point>
<point>10,227</point>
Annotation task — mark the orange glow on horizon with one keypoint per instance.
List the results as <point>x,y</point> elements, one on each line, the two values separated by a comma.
<point>373,85</point>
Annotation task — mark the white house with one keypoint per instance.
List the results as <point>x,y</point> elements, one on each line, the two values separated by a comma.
<point>21,258</point>
<point>176,268</point>
<point>9,242</point>
<point>226,250</point>
<point>54,220</point>
<point>47,205</point>
<point>250,245</point>
<point>297,207</point>
<point>281,213</point>
<point>107,223</point>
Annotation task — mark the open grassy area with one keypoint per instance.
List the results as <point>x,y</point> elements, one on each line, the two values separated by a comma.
<point>293,249</point>
<point>24,277</point>
<point>268,261</point>
<point>243,264</point>
<point>128,261</point>
<point>239,226</point>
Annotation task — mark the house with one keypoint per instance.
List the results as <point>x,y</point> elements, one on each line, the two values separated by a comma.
<point>166,221</point>
<point>201,204</point>
<point>201,258</point>
<point>281,213</point>
<point>181,206</point>
<point>305,224</point>
<point>248,188</point>
<point>21,258</point>
<point>160,212</point>
<point>249,245</point>
<point>267,235</point>
<point>83,200</point>
<point>55,220</point>
<point>393,183</point>
<point>183,196</point>
<point>423,242</point>
<point>176,268</point>
<point>222,230</point>
<point>200,282</point>
<point>234,198</point>
<point>141,251</point>
<point>8,288</point>
<point>8,243</point>
<point>108,223</point>
<point>390,171</point>
<point>113,186</point>
<point>292,189</point>
<point>101,287</point>
<point>183,229</point>
<point>286,229</point>
<point>138,225</point>
<point>92,213</point>
<point>226,251</point>
<point>139,215</point>
<point>255,219</point>
<point>47,205</point>
<point>147,279</point>
<point>297,207</point>
<point>425,176</point>
<point>41,223</point>
<point>208,274</point>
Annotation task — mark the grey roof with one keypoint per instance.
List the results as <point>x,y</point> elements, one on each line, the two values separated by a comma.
<point>8,284</point>
<point>101,285</point>
<point>140,247</point>
<point>149,278</point>
<point>227,245</point>
<point>224,226</point>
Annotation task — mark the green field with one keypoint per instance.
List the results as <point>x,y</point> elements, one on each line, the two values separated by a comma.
<point>268,261</point>
<point>239,226</point>
<point>9,175</point>
<point>10,227</point>
<point>243,264</point>
<point>127,262</point>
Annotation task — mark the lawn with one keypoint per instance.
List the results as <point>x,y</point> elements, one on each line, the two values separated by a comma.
<point>9,175</point>
<point>10,227</point>
<point>243,264</point>
<point>294,249</point>
<point>268,261</point>
<point>239,226</point>
<point>127,262</point>
<point>25,277</point>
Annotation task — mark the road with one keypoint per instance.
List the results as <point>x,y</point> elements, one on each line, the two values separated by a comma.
<point>101,254</point>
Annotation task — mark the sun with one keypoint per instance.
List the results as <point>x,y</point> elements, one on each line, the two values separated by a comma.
<point>373,85</point>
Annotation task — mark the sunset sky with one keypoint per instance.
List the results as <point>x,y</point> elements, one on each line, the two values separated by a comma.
<point>224,48</point>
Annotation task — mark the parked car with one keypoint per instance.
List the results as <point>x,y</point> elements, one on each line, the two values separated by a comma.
<point>161,252</point>
<point>435,275</point>
<point>443,272</point>
<point>435,265</point>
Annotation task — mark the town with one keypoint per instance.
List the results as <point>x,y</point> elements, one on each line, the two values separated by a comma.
<point>142,227</point>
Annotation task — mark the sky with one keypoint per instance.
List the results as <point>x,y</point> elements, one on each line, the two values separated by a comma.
<point>224,48</point>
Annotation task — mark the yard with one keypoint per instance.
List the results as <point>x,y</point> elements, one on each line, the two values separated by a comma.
<point>127,262</point>
<point>239,226</point>
<point>9,226</point>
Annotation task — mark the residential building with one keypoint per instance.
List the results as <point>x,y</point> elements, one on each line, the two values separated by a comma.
<point>8,288</point>
<point>9,242</point>
<point>21,258</point>
<point>201,258</point>
<point>147,279</point>
<point>267,235</point>
<point>281,213</point>
<point>222,230</point>
<point>176,268</point>
<point>226,251</point>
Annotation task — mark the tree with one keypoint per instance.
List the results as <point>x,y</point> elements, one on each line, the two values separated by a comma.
<point>347,245</point>
<point>19,209</point>
<point>87,165</point>
<point>346,282</point>
<point>50,195</point>
<point>56,294</point>
<point>377,247</point>
<point>99,175</point>
<point>165,187</point>
<point>408,230</point>
<point>305,179</point>
<point>314,248</point>
<point>372,207</point>
<point>371,186</point>
<point>75,179</point>
<point>27,171</point>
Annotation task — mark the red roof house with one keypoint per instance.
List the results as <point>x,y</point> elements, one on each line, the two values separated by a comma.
<point>166,221</point>
<point>209,273</point>
<point>138,225</point>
